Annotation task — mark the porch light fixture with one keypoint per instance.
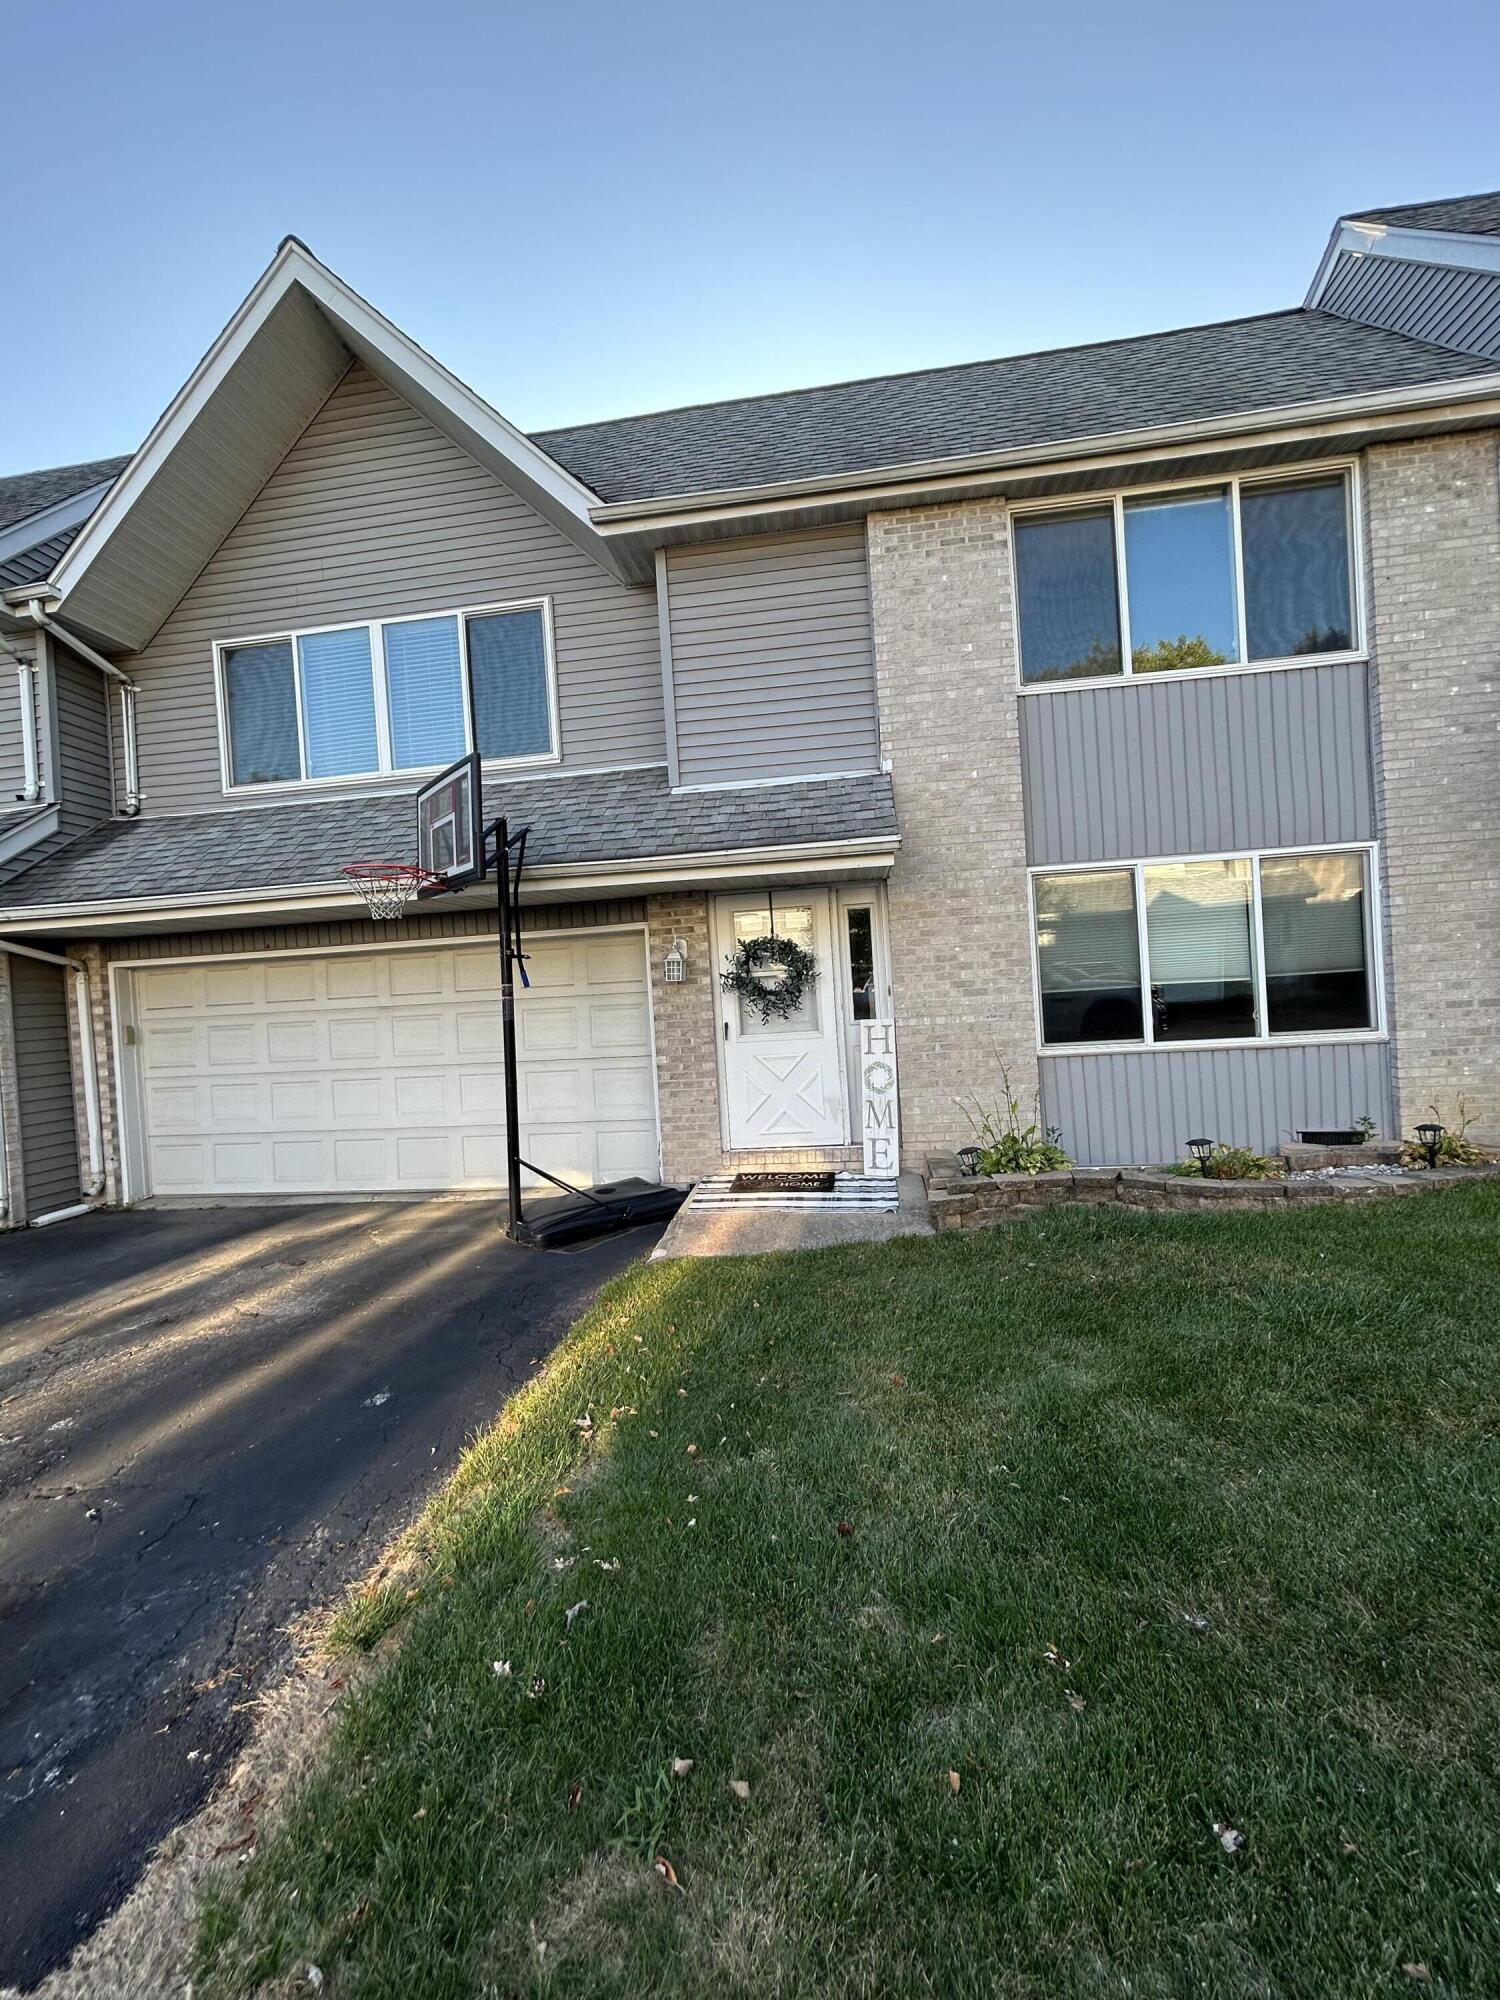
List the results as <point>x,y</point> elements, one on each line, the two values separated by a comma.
<point>1430,1137</point>
<point>1201,1150</point>
<point>674,965</point>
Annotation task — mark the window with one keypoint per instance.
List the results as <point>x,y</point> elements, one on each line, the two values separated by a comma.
<point>403,694</point>
<point>860,930</point>
<point>1244,571</point>
<point>1238,948</point>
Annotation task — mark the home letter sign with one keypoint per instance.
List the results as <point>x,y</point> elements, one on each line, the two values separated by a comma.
<point>880,1118</point>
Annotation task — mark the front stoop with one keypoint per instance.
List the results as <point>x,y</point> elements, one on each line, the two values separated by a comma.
<point>956,1200</point>
<point>747,1231</point>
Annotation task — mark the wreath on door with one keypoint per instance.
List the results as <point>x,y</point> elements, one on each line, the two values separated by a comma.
<point>774,994</point>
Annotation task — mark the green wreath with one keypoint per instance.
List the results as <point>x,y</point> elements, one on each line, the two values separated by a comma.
<point>772,999</point>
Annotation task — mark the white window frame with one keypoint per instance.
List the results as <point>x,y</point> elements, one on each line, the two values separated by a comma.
<point>1232,483</point>
<point>1135,867</point>
<point>385,771</point>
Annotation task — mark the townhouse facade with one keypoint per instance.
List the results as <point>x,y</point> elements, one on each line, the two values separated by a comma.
<point>1124,716</point>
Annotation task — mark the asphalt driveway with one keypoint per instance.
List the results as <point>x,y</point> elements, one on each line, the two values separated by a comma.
<point>210,1420</point>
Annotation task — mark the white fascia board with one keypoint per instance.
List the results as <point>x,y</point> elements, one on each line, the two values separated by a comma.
<point>358,321</point>
<point>50,521</point>
<point>334,902</point>
<point>1413,246</point>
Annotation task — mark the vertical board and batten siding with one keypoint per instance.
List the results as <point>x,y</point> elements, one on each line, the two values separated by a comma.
<point>374,513</point>
<point>1437,302</point>
<point>83,743</point>
<point>773,663</point>
<point>44,1086</point>
<point>1276,759</point>
<point>1134,1108</point>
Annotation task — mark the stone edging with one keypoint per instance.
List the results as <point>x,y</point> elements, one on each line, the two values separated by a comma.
<point>968,1201</point>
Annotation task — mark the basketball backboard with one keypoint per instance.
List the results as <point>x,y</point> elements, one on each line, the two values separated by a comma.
<point>450,836</point>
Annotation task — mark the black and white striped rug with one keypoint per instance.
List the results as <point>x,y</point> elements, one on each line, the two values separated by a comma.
<point>849,1191</point>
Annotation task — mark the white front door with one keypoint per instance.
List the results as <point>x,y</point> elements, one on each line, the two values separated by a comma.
<point>783,1079</point>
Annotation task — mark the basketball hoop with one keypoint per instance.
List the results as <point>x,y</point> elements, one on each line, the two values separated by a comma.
<point>387,886</point>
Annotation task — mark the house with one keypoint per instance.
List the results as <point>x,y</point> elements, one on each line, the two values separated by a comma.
<point>1127,711</point>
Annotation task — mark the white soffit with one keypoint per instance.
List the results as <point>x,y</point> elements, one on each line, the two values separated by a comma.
<point>235,419</point>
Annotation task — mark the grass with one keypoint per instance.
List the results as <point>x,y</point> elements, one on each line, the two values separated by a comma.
<point>1139,1524</point>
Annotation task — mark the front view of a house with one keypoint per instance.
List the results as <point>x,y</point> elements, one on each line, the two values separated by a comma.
<point>1125,715</point>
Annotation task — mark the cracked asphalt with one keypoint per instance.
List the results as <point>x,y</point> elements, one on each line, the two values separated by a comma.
<point>210,1421</point>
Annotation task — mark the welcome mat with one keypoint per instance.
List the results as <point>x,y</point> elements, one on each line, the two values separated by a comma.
<point>782,1184</point>
<point>849,1191</point>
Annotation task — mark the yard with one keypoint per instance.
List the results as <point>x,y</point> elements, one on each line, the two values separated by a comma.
<point>1105,1604</point>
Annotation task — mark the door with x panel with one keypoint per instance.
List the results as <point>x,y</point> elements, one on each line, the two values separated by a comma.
<point>783,1078</point>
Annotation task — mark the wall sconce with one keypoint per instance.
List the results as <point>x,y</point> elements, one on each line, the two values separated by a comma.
<point>674,965</point>
<point>1201,1150</point>
<point>1430,1137</point>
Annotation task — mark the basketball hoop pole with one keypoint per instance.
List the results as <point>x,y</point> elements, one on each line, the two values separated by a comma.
<point>506,914</point>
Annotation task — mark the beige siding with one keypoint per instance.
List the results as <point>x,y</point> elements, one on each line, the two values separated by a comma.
<point>773,669</point>
<point>375,513</point>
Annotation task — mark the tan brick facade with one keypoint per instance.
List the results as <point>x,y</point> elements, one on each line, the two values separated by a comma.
<point>945,662</point>
<point>1433,515</point>
<point>687,1072</point>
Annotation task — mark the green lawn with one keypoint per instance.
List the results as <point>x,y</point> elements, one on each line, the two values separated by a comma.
<point>1136,1523</point>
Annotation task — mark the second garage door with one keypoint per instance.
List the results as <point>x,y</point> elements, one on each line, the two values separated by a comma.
<point>380,1070</point>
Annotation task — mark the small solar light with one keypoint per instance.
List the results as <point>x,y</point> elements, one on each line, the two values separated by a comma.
<point>1430,1137</point>
<point>1201,1150</point>
<point>674,967</point>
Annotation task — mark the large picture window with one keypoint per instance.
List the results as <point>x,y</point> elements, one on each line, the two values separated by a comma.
<point>401,694</point>
<point>1241,572</point>
<point>1241,947</point>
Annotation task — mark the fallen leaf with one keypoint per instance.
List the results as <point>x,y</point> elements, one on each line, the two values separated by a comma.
<point>668,1873</point>
<point>575,1794</point>
<point>681,1766</point>
<point>501,1667</point>
<point>537,1689</point>
<point>1229,1837</point>
<point>1195,1621</point>
<point>898,1381</point>
<point>1076,1701</point>
<point>1415,1969</point>
<point>1133,1867</point>
<point>1055,1659</point>
<point>954,1782</point>
<point>845,1530</point>
<point>574,1611</point>
<point>1347,1848</point>
<point>235,1846</point>
<point>420,1813</point>
<point>740,1789</point>
<point>692,1451</point>
<point>315,1978</point>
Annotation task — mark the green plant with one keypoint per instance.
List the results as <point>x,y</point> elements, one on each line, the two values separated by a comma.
<point>642,1826</point>
<point>771,973</point>
<point>1454,1148</point>
<point>1365,1124</point>
<point>1231,1163</point>
<point>1006,1146</point>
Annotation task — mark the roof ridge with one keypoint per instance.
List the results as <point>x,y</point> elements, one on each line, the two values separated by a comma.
<point>77,465</point>
<point>1432,201</point>
<point>910,374</point>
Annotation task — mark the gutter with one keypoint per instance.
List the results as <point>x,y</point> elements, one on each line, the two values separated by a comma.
<point>90,1065</point>
<point>45,622</point>
<point>1059,456</point>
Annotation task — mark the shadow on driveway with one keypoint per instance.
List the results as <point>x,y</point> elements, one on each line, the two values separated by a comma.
<point>210,1420</point>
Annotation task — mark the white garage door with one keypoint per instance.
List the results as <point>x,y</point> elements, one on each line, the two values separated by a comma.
<point>378,1070</point>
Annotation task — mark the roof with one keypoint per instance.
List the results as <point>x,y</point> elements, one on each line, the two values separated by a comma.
<point>602,817</point>
<point>23,494</point>
<point>32,564</point>
<point>1190,374</point>
<point>1464,214</point>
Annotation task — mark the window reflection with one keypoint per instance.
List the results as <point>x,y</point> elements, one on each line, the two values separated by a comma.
<point>1313,915</point>
<point>1179,581</point>
<point>1198,949</point>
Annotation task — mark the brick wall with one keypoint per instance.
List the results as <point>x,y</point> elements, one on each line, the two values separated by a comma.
<point>945,667</point>
<point>1433,528</point>
<point>687,1071</point>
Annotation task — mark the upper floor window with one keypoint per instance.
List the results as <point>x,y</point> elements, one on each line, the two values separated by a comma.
<point>1241,572</point>
<point>400,694</point>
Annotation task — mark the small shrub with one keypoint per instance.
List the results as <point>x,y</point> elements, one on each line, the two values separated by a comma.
<point>1454,1149</point>
<point>1231,1163</point>
<point>1006,1146</point>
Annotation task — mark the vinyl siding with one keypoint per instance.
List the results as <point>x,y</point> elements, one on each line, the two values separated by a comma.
<point>773,669</point>
<point>44,1083</point>
<point>375,513</point>
<point>83,742</point>
<point>12,755</point>
<point>1275,759</point>
<point>1438,302</point>
<point>427,925</point>
<point>1140,1109</point>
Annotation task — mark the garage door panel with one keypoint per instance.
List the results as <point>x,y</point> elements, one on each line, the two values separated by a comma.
<point>370,1071</point>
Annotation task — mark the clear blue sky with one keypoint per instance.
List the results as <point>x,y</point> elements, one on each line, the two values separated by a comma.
<point>588,209</point>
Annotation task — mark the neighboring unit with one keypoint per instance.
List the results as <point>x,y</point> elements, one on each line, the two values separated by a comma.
<point>1126,714</point>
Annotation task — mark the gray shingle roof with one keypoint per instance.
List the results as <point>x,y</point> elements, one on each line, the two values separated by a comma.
<point>36,562</point>
<point>1193,373</point>
<point>23,494</point>
<point>605,817</point>
<point>1466,214</point>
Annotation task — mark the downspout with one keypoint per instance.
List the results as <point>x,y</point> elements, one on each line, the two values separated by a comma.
<point>90,1060</point>
<point>127,687</point>
<point>32,782</point>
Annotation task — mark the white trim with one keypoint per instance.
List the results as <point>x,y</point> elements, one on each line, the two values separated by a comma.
<point>364,329</point>
<point>26,674</point>
<point>1148,1044</point>
<point>761,784</point>
<point>1405,242</point>
<point>20,536</point>
<point>1232,482</point>
<point>131,1109</point>
<point>293,636</point>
